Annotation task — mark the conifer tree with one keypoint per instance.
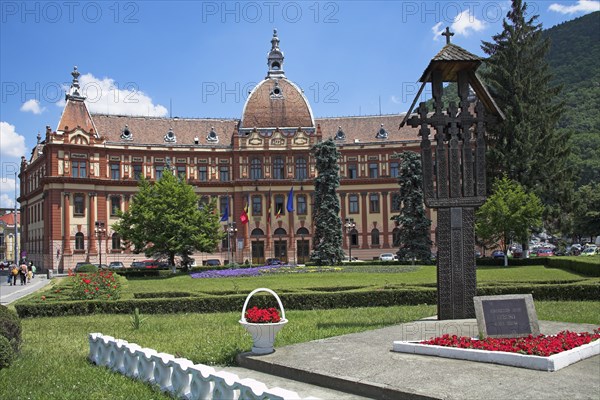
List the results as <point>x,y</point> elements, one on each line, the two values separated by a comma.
<point>414,240</point>
<point>327,242</point>
<point>526,146</point>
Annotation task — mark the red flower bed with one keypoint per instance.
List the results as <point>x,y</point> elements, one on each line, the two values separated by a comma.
<point>257,315</point>
<point>538,346</point>
<point>99,285</point>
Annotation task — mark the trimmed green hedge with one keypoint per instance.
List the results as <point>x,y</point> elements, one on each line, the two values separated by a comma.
<point>581,265</point>
<point>138,273</point>
<point>10,327</point>
<point>297,301</point>
<point>512,262</point>
<point>7,353</point>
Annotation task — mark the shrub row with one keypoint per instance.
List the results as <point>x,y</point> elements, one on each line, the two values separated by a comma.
<point>296,301</point>
<point>581,265</point>
<point>138,273</point>
<point>512,262</point>
<point>10,336</point>
<point>163,295</point>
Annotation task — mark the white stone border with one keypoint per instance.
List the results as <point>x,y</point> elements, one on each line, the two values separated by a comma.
<point>551,363</point>
<point>178,376</point>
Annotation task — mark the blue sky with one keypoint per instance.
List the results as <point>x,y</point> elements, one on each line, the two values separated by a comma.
<point>200,59</point>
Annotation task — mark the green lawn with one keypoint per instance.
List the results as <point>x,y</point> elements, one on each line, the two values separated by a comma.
<point>53,360</point>
<point>396,276</point>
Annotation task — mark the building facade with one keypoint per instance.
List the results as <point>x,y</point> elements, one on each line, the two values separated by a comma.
<point>80,174</point>
<point>10,229</point>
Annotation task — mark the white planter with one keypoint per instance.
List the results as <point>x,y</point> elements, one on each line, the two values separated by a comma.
<point>263,335</point>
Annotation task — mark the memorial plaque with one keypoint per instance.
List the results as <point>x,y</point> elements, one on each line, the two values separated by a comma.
<point>508,316</point>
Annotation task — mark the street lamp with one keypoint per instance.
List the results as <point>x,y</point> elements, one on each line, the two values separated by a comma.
<point>231,232</point>
<point>100,230</point>
<point>350,225</point>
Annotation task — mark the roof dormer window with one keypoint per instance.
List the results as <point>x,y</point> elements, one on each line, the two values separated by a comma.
<point>382,133</point>
<point>126,133</point>
<point>170,136</point>
<point>212,135</point>
<point>276,92</point>
<point>340,135</point>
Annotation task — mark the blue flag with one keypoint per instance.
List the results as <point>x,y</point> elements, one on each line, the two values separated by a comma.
<point>225,216</point>
<point>290,202</point>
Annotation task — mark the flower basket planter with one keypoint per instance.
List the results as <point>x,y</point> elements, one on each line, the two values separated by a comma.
<point>263,334</point>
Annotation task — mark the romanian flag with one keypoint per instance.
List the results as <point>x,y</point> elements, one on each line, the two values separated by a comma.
<point>278,215</point>
<point>244,215</point>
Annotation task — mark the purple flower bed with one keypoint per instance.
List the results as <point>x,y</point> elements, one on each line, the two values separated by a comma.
<point>231,273</point>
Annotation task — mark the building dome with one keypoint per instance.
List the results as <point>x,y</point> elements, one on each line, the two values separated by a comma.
<point>276,102</point>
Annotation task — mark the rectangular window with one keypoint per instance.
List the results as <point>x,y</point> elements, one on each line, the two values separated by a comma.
<point>137,172</point>
<point>203,173</point>
<point>301,208</point>
<point>78,204</point>
<point>223,204</point>
<point>115,205</point>
<point>373,170</point>
<point>353,204</point>
<point>224,173</point>
<point>2,243</point>
<point>279,204</point>
<point>181,172</point>
<point>79,169</point>
<point>395,202</point>
<point>115,172</point>
<point>394,169</point>
<point>256,205</point>
<point>158,171</point>
<point>374,203</point>
<point>352,171</point>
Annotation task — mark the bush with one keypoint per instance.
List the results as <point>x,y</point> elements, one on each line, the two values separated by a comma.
<point>88,268</point>
<point>581,265</point>
<point>139,273</point>
<point>7,353</point>
<point>10,327</point>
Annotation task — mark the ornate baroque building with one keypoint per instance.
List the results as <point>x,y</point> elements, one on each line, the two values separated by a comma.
<point>80,174</point>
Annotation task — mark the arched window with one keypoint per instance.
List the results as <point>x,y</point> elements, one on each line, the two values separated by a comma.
<point>257,232</point>
<point>279,232</point>
<point>354,237</point>
<point>278,168</point>
<point>396,237</point>
<point>79,241</point>
<point>302,231</point>
<point>256,169</point>
<point>116,241</point>
<point>375,237</point>
<point>301,172</point>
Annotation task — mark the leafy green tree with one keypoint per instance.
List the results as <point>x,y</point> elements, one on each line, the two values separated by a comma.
<point>414,240</point>
<point>327,244</point>
<point>509,214</point>
<point>164,220</point>
<point>587,211</point>
<point>526,146</point>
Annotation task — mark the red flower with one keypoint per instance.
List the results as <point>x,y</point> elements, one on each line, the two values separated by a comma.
<point>257,315</point>
<point>87,281</point>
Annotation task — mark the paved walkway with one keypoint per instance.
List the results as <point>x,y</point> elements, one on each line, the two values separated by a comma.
<point>363,364</point>
<point>9,293</point>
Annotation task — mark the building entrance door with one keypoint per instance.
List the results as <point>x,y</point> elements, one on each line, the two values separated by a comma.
<point>303,252</point>
<point>258,252</point>
<point>281,250</point>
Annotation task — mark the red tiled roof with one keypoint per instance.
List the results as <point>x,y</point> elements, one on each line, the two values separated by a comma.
<point>9,219</point>
<point>365,128</point>
<point>76,115</point>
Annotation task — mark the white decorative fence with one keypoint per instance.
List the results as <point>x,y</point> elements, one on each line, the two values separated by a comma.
<point>178,376</point>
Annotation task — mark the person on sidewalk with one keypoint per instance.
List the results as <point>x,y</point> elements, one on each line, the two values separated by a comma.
<point>32,269</point>
<point>23,274</point>
<point>14,272</point>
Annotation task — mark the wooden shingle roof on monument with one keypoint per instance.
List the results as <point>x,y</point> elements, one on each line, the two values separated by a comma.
<point>449,60</point>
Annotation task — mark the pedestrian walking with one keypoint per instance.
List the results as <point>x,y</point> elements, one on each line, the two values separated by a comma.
<point>14,272</point>
<point>23,273</point>
<point>33,269</point>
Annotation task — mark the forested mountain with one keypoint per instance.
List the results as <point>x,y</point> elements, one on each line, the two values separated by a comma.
<point>573,58</point>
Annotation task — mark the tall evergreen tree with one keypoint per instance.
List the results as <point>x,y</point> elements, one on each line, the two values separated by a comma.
<point>327,243</point>
<point>164,220</point>
<point>526,146</point>
<point>414,240</point>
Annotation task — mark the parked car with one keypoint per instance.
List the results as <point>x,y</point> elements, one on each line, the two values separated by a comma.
<point>79,265</point>
<point>101,266</point>
<point>137,265</point>
<point>498,254</point>
<point>590,251</point>
<point>387,257</point>
<point>211,262</point>
<point>116,265</point>
<point>545,252</point>
<point>273,261</point>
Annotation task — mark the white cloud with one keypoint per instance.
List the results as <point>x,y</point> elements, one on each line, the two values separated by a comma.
<point>6,201</point>
<point>395,99</point>
<point>33,106</point>
<point>582,6</point>
<point>109,97</point>
<point>462,24</point>
<point>11,143</point>
<point>8,184</point>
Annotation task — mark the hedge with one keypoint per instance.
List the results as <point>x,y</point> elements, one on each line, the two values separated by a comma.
<point>296,301</point>
<point>10,327</point>
<point>581,265</point>
<point>7,353</point>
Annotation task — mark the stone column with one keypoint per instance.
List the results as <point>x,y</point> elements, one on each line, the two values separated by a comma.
<point>67,223</point>
<point>91,221</point>
<point>343,214</point>
<point>364,222</point>
<point>386,220</point>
